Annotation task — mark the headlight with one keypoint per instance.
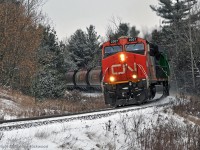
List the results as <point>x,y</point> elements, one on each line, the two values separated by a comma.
<point>112,79</point>
<point>122,57</point>
<point>134,76</point>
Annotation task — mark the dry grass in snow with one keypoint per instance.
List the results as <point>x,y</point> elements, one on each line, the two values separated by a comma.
<point>147,129</point>
<point>13,104</point>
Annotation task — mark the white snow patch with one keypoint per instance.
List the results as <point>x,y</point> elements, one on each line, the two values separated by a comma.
<point>92,94</point>
<point>110,132</point>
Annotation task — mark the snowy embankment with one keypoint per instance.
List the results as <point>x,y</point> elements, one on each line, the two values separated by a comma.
<point>7,105</point>
<point>15,105</point>
<point>117,131</point>
<point>152,126</point>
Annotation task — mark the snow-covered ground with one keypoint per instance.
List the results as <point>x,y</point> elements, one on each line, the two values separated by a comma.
<point>117,131</point>
<point>7,104</point>
<point>14,105</point>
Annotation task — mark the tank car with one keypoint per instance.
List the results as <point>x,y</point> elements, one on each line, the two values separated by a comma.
<point>84,79</point>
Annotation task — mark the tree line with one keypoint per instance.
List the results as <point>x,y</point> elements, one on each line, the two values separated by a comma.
<point>180,38</point>
<point>34,61</point>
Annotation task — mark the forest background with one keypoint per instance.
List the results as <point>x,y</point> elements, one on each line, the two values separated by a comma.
<point>35,62</point>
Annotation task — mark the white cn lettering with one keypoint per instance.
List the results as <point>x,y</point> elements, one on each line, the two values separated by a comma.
<point>116,66</point>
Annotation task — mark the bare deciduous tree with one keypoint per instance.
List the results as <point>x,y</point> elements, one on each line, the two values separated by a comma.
<point>20,37</point>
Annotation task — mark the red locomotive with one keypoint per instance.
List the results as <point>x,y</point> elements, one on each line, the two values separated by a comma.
<point>131,68</point>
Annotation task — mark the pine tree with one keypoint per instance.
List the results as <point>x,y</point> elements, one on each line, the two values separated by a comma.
<point>134,32</point>
<point>49,80</point>
<point>68,63</point>
<point>77,46</point>
<point>177,34</point>
<point>123,29</point>
<point>83,48</point>
<point>174,12</point>
<point>93,45</point>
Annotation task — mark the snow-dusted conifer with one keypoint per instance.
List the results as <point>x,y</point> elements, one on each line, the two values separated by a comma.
<point>77,46</point>
<point>93,47</point>
<point>83,48</point>
<point>178,36</point>
<point>49,80</point>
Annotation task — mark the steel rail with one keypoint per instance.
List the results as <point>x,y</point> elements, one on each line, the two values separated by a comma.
<point>68,114</point>
<point>7,125</point>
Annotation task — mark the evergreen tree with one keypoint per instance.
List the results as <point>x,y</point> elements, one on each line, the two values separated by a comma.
<point>68,63</point>
<point>93,45</point>
<point>174,11</point>
<point>134,32</point>
<point>123,29</point>
<point>83,48</point>
<point>49,80</point>
<point>77,46</point>
<point>177,36</point>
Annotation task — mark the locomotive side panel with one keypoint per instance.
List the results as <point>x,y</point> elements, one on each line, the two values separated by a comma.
<point>162,69</point>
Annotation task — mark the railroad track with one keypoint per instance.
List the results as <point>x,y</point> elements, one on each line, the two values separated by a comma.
<point>8,125</point>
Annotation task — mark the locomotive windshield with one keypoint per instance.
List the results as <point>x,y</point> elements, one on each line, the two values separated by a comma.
<point>110,50</point>
<point>135,48</point>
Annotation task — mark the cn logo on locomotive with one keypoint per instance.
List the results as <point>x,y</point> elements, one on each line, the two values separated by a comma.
<point>123,66</point>
<point>117,66</point>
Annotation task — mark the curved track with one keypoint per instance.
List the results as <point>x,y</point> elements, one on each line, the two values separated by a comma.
<point>7,125</point>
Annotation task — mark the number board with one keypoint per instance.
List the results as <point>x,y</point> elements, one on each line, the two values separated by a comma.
<point>114,41</point>
<point>132,39</point>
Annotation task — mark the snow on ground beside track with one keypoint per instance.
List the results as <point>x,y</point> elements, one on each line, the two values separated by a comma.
<point>5,107</point>
<point>97,134</point>
<point>92,94</point>
<point>166,100</point>
<point>6,104</point>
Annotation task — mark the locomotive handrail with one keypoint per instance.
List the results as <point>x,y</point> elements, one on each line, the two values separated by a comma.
<point>165,72</point>
<point>144,72</point>
<point>103,79</point>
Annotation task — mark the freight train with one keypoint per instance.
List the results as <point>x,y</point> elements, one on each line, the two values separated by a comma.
<point>131,69</point>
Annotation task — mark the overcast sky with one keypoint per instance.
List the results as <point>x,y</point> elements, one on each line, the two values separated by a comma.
<point>69,15</point>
